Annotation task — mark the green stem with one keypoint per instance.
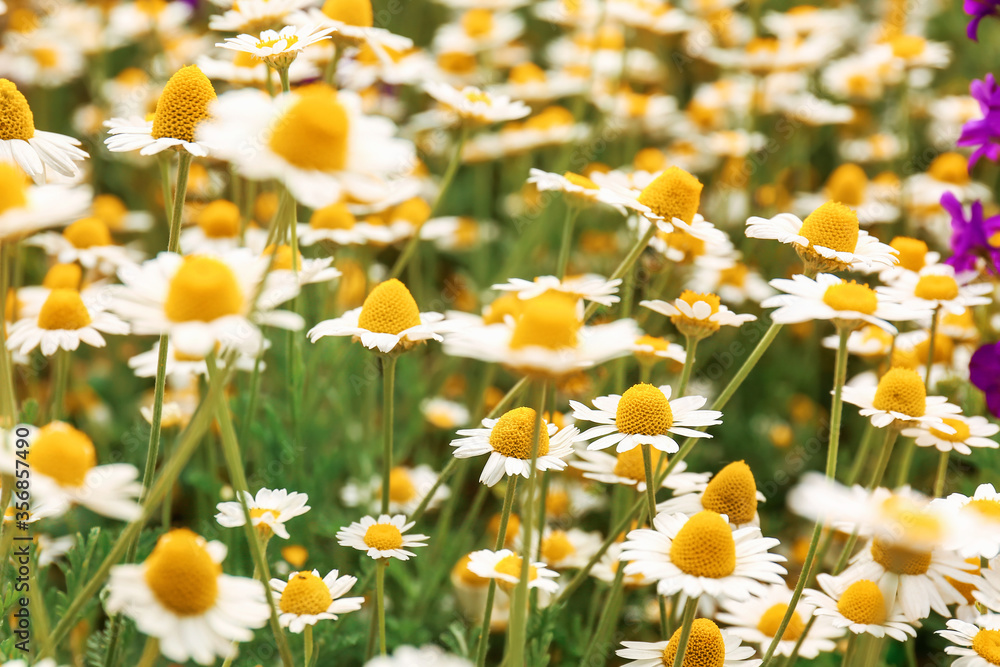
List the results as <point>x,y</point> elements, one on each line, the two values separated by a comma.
<point>60,378</point>
<point>942,474</point>
<point>309,645</point>
<point>388,391</point>
<point>633,255</point>
<point>885,453</point>
<point>283,77</point>
<point>380,601</point>
<point>647,464</point>
<point>689,611</point>
<point>690,344</point>
<point>906,456</point>
<point>484,636</point>
<point>508,398</point>
<point>751,361</point>
<point>150,652</point>
<point>609,614</point>
<point>8,398</point>
<point>572,211</point>
<point>164,163</point>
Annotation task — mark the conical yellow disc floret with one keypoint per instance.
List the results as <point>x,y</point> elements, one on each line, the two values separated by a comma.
<point>557,547</point>
<point>183,104</point>
<point>203,289</point>
<point>987,644</point>
<point>833,225</point>
<point>847,184</point>
<point>705,647</point>
<point>901,390</point>
<point>900,560</point>
<point>62,453</point>
<point>770,621</point>
<point>513,434</point>
<point>549,320</point>
<point>851,296</point>
<point>16,119</point>
<point>961,431</point>
<point>732,492</point>
<point>511,566</point>
<point>87,233</point>
<point>692,326</point>
<point>220,219</point>
<point>182,574</point>
<point>63,276</point>
<point>352,12</point>
<point>673,194</point>
<point>389,309</point>
<point>384,537</point>
<point>313,132</point>
<point>644,410</point>
<point>630,464</point>
<point>863,603</point>
<point>912,252</point>
<point>334,216</point>
<point>305,594</point>
<point>63,309</point>
<point>704,547</point>
<point>936,288</point>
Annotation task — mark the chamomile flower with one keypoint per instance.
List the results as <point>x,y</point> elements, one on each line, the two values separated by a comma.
<point>734,284</point>
<point>698,315</point>
<point>407,489</point>
<point>278,49</point>
<point>180,595</point>
<point>850,185</point>
<point>474,106</point>
<point>756,621</point>
<point>581,190</point>
<point>254,15</point>
<point>87,241</point>
<point>509,441</point>
<point>442,413</point>
<point>505,566</point>
<point>627,468</point>
<point>384,537</point>
<point>983,510</point>
<point>643,415</point>
<point>567,549</point>
<point>65,319</point>
<point>900,399</point>
<point>306,599</point>
<point>976,646</point>
<point>25,209</point>
<point>408,656</point>
<point>651,349</point>
<point>733,493</point>
<point>269,510</point>
<point>203,301</point>
<point>180,367</point>
<point>388,321</point>
<point>938,286</point>
<point>708,644</point>
<point>861,608</point>
<point>589,287</point>
<point>352,23</point>
<point>829,239</point>
<point>181,109</point>
<point>702,555</point>
<point>243,68</point>
<point>33,150</point>
<point>972,431</point>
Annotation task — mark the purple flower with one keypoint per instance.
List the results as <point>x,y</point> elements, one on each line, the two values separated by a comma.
<point>970,237</point>
<point>984,372</point>
<point>984,133</point>
<point>978,10</point>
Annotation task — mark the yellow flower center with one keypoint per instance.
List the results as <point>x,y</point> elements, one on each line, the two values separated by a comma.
<point>282,257</point>
<point>630,464</point>
<point>203,289</point>
<point>961,430</point>
<point>257,513</point>
<point>110,210</point>
<point>415,211</point>
<point>511,566</point>
<point>658,344</point>
<point>847,184</point>
<point>736,275</point>
<point>87,233</point>
<point>644,410</point>
<point>334,216</point>
<point>526,73</point>
<point>219,220</point>
<point>401,487</point>
<point>673,194</point>
<point>705,647</point>
<point>384,537</point>
<point>694,326</point>
<point>295,554</point>
<point>462,572</point>
<point>313,133</point>
<point>649,159</point>
<point>944,349</point>
<point>557,547</point>
<point>289,41</point>
<point>770,621</point>
<point>580,181</point>
<point>513,527</point>
<point>863,603</point>
<point>63,276</point>
<point>63,309</point>
<point>833,225</point>
<point>851,296</point>
<point>732,492</point>
<point>183,104</point>
<point>950,168</point>
<point>987,644</point>
<point>557,503</point>
<point>389,309</point>
<point>549,320</point>
<point>704,547</point>
<point>23,21</point>
<point>901,390</point>
<point>986,507</point>
<point>907,46</point>
<point>62,453</point>
<point>936,288</point>
<point>16,119</point>
<point>151,7</point>
<point>456,62</point>
<point>513,434</point>
<point>477,22</point>
<point>503,306</point>
<point>352,12</point>
<point>912,252</point>
<point>13,183</point>
<point>265,207</point>
<point>182,574</point>
<point>46,58</point>
<point>900,560</point>
<point>967,589</point>
<point>913,519</point>
<point>305,594</point>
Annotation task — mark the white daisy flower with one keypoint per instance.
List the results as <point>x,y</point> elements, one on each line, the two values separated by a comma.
<point>509,441</point>
<point>987,592</point>
<point>388,321</point>
<point>87,241</point>
<point>606,570</point>
<point>303,270</point>
<point>860,608</point>
<point>938,286</point>
<point>650,349</point>
<point>735,284</point>
<point>475,106</point>
<point>757,619</point>
<point>181,109</point>
<point>352,23</point>
<point>828,297</point>
<point>567,549</point>
<point>385,537</point>
<point>587,287</point>
<point>180,367</point>
<point>707,644</point>
<point>269,511</point>
<point>34,151</point>
<point>25,208</point>
<point>850,185</point>
<point>702,555</point>
<point>254,15</point>
<point>408,656</point>
<point>869,341</point>
<point>912,51</point>
<point>628,468</point>
<point>643,415</point>
<point>528,82</point>
<point>478,30</point>
<point>697,315</point>
<point>243,68</point>
<point>315,140</point>
<point>974,431</point>
<point>442,413</point>
<point>977,646</point>
<point>65,319</point>
<point>505,566</point>
<point>900,398</point>
<point>829,239</point>
<point>305,599</point>
<point>277,49</point>
<point>64,473</point>
<point>581,190</point>
<point>337,223</point>
<point>732,493</point>
<point>180,595</point>
<point>982,539</point>
<point>407,489</point>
